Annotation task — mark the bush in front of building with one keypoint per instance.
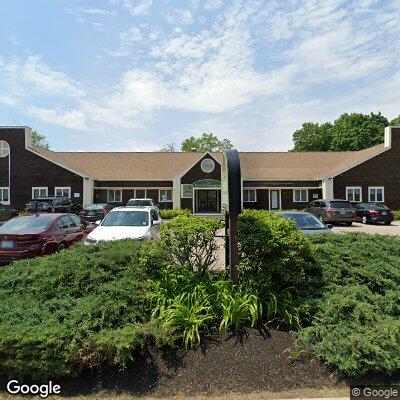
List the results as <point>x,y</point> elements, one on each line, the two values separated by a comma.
<point>272,249</point>
<point>354,303</point>
<point>190,242</point>
<point>175,212</point>
<point>396,214</point>
<point>77,309</point>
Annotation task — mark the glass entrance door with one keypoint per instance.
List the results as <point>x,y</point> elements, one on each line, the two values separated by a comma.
<point>207,201</point>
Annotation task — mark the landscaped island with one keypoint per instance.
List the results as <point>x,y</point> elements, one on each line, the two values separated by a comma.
<point>148,315</point>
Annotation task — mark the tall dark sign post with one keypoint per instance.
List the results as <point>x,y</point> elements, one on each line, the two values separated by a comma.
<point>231,204</point>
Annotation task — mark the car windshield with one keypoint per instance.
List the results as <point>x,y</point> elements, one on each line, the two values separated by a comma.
<point>305,221</point>
<point>95,207</point>
<point>40,202</point>
<point>127,218</point>
<point>340,204</point>
<point>139,203</point>
<point>28,224</point>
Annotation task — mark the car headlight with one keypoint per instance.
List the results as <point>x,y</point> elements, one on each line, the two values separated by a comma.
<point>90,240</point>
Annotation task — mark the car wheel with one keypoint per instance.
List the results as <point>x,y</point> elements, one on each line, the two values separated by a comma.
<point>349,223</point>
<point>364,219</point>
<point>62,246</point>
<point>388,222</point>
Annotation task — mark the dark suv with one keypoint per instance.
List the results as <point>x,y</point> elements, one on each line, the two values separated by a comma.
<point>333,210</point>
<point>53,205</point>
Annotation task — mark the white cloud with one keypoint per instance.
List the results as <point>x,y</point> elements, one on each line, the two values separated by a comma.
<point>138,8</point>
<point>179,17</point>
<point>212,5</point>
<point>95,11</point>
<point>74,119</point>
<point>254,72</point>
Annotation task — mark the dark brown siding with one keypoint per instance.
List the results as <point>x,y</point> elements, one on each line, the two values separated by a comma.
<point>29,169</point>
<point>196,173</point>
<point>262,202</point>
<point>139,184</point>
<point>187,203</point>
<point>382,170</point>
<point>289,204</point>
<point>4,171</point>
<point>278,184</point>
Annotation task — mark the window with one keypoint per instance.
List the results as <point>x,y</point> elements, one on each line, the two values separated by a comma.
<point>39,192</point>
<point>4,195</point>
<point>300,196</point>
<point>64,223</point>
<point>249,196</point>
<point>353,193</point>
<point>140,193</point>
<point>376,194</point>
<point>62,191</point>
<point>165,195</point>
<point>4,149</point>
<point>114,196</point>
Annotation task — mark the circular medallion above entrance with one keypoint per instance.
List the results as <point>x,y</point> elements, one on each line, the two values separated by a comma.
<point>4,149</point>
<point>207,165</point>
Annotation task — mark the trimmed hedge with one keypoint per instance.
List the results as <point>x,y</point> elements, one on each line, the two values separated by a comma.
<point>81,308</point>
<point>355,303</point>
<point>175,212</point>
<point>273,249</point>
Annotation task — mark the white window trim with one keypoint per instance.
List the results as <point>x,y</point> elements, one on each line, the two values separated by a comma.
<point>255,195</point>
<point>159,195</point>
<point>300,190</point>
<point>352,188</point>
<point>40,188</point>
<point>63,188</point>
<point>6,203</point>
<point>114,190</point>
<point>145,193</point>
<point>376,187</point>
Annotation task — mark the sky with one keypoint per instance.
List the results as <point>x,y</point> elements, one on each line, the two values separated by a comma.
<point>134,75</point>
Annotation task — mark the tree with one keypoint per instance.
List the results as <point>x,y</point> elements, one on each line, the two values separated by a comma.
<point>169,148</point>
<point>358,131</point>
<point>349,132</point>
<point>206,142</point>
<point>313,137</point>
<point>395,122</point>
<point>39,140</point>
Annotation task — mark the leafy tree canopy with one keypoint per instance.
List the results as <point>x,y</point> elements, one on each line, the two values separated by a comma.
<point>395,122</point>
<point>206,142</point>
<point>39,140</point>
<point>349,132</point>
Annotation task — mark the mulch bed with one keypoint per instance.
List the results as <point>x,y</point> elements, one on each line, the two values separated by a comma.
<point>253,362</point>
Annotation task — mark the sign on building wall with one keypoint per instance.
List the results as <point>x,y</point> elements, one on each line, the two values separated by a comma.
<point>187,191</point>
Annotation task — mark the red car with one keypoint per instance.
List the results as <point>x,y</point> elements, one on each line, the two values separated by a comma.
<point>37,235</point>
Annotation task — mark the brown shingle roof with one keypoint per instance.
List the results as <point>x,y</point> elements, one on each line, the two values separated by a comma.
<point>152,166</point>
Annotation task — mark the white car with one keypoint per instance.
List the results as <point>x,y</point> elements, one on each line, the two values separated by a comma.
<point>140,223</point>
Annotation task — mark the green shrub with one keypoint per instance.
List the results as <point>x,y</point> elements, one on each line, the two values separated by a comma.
<point>190,242</point>
<point>80,308</point>
<point>175,212</point>
<point>396,214</point>
<point>355,303</point>
<point>273,249</point>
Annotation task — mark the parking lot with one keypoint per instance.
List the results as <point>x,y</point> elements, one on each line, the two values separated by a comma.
<point>381,229</point>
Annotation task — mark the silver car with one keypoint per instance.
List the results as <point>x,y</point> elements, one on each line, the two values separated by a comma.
<point>333,210</point>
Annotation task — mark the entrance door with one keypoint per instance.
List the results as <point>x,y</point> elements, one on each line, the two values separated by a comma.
<point>207,201</point>
<point>275,201</point>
